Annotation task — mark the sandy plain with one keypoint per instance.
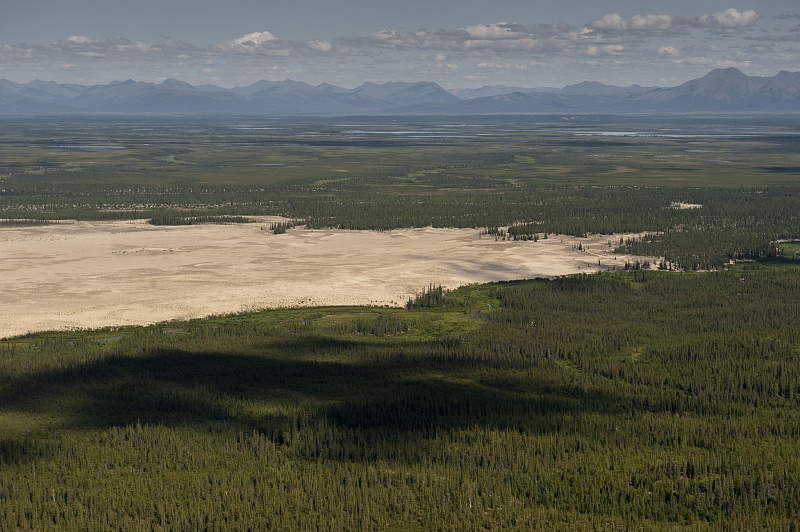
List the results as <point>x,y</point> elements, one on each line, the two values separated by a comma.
<point>81,275</point>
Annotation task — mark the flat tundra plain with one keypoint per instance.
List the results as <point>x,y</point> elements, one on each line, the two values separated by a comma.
<point>85,275</point>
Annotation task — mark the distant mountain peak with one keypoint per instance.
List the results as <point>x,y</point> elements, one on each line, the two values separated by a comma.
<point>726,89</point>
<point>176,84</point>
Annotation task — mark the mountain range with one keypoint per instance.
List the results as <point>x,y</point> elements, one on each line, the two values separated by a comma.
<point>720,90</point>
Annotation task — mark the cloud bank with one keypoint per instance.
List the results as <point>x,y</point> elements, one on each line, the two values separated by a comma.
<point>610,43</point>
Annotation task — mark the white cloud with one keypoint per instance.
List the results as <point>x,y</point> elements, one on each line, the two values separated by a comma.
<point>643,23</point>
<point>612,22</point>
<point>643,42</point>
<point>252,39</point>
<point>651,22</point>
<point>500,38</point>
<point>609,35</point>
<point>265,43</point>
<point>78,39</point>
<point>611,49</point>
<point>669,51</point>
<point>730,18</point>
<point>497,66</point>
<point>502,30</point>
<point>320,46</point>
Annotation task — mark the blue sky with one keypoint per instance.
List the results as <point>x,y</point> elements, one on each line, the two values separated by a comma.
<point>468,43</point>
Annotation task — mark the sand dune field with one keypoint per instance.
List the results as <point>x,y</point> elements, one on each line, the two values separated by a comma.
<point>96,274</point>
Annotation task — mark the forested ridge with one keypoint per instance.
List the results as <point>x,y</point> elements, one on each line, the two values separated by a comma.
<point>636,400</point>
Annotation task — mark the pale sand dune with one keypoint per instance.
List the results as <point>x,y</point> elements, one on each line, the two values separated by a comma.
<point>97,274</point>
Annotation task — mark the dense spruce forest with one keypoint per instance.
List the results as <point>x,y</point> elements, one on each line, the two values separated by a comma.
<point>621,401</point>
<point>636,400</point>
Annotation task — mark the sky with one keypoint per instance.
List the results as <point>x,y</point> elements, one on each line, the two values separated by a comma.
<point>456,43</point>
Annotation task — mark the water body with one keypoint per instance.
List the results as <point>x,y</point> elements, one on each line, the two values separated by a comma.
<point>80,147</point>
<point>661,135</point>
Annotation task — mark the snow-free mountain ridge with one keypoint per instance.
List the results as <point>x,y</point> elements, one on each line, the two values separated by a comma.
<point>720,90</point>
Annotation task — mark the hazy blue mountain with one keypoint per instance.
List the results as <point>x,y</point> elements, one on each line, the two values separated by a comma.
<point>496,90</point>
<point>595,88</point>
<point>14,100</point>
<point>49,91</point>
<point>327,87</point>
<point>210,88</point>
<point>727,90</point>
<point>719,90</point>
<point>585,88</point>
<point>298,98</point>
<point>782,87</point>
<point>45,91</point>
<point>514,103</point>
<point>173,83</point>
<point>255,87</point>
<point>138,97</point>
<point>400,93</point>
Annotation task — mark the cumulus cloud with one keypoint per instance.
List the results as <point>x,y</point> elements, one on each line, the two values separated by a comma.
<point>643,23</point>
<point>607,42</point>
<point>78,47</point>
<point>723,21</point>
<point>730,19</point>
<point>613,22</point>
<point>607,35</point>
<point>495,31</point>
<point>320,46</point>
<point>669,51</point>
<point>258,43</point>
<point>502,37</point>
<point>78,39</point>
<point>610,49</point>
<point>252,40</point>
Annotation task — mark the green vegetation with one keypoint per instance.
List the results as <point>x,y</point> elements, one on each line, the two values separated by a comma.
<point>788,251</point>
<point>432,297</point>
<point>166,217</point>
<point>536,175</point>
<point>635,400</point>
<point>22,223</point>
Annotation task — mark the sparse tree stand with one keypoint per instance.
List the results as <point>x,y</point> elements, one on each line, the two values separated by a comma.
<point>433,297</point>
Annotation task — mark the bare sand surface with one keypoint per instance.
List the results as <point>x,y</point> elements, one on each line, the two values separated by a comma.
<point>96,274</point>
